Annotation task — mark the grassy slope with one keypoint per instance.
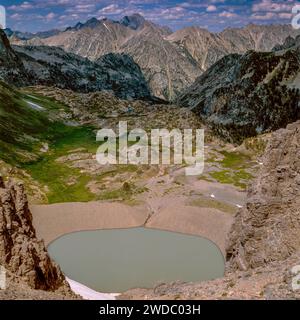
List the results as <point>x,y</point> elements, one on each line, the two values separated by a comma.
<point>21,127</point>
<point>55,175</point>
<point>24,130</point>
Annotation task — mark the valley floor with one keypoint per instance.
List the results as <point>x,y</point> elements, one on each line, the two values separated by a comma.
<point>69,191</point>
<point>187,208</point>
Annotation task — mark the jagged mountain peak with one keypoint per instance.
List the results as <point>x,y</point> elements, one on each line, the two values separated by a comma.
<point>289,43</point>
<point>91,23</point>
<point>135,21</point>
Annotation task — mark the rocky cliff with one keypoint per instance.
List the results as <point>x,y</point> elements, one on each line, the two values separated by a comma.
<point>267,229</point>
<point>244,95</point>
<point>41,65</point>
<point>263,250</point>
<point>21,253</point>
<point>113,72</point>
<point>11,66</point>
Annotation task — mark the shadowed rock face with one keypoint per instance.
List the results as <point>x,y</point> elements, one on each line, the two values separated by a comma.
<point>134,22</point>
<point>267,229</point>
<point>113,72</point>
<point>21,253</point>
<point>244,95</point>
<point>41,65</point>
<point>11,67</point>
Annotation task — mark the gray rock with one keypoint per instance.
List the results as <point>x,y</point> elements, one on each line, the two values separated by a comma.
<point>41,65</point>
<point>267,229</point>
<point>244,95</point>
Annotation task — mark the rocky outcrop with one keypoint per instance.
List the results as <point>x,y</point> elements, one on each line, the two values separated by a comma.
<point>21,253</point>
<point>244,95</point>
<point>267,229</point>
<point>124,76</point>
<point>289,43</point>
<point>41,65</point>
<point>11,66</point>
<point>52,66</point>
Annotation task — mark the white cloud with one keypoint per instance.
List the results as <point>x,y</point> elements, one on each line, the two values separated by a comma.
<point>111,9</point>
<point>285,15</point>
<point>227,14</point>
<point>266,16</point>
<point>211,8</point>
<point>270,6</point>
<point>16,16</point>
<point>50,16</point>
<point>22,7</point>
<point>84,8</point>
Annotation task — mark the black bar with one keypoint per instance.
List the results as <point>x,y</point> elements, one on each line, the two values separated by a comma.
<point>92,310</point>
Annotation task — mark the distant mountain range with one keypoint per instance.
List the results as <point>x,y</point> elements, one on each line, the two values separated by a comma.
<point>28,35</point>
<point>241,82</point>
<point>170,61</point>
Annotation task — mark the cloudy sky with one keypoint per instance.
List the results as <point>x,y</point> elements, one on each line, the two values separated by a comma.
<point>38,15</point>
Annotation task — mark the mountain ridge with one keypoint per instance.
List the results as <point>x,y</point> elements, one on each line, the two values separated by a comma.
<point>44,65</point>
<point>244,95</point>
<point>191,50</point>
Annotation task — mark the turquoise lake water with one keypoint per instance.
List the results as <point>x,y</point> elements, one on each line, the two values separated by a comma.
<point>122,259</point>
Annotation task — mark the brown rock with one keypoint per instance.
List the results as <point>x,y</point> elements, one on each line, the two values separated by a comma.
<point>21,253</point>
<point>267,229</point>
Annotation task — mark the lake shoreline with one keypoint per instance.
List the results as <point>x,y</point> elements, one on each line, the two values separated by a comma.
<point>56,220</point>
